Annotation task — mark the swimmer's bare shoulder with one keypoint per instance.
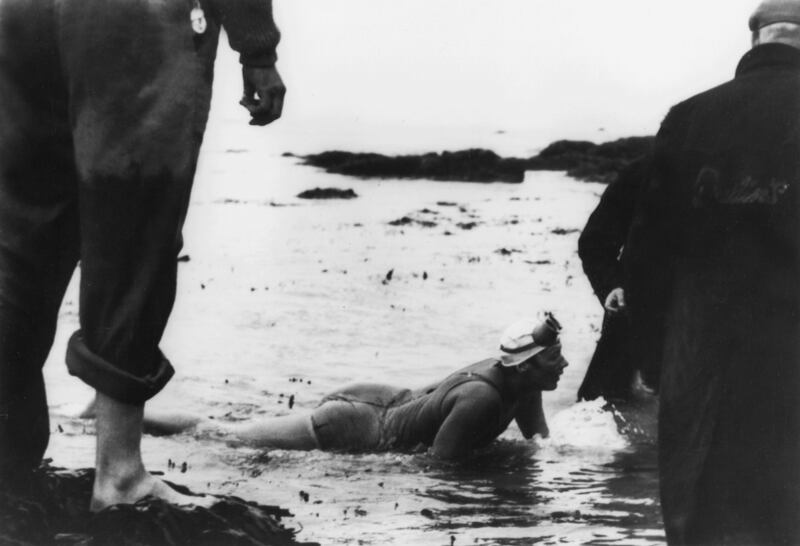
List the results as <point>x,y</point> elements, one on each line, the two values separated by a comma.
<point>473,392</point>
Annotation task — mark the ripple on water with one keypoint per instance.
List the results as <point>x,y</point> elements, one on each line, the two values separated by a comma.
<point>586,484</point>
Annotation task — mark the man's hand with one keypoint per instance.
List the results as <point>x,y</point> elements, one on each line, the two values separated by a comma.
<point>615,302</point>
<point>263,94</point>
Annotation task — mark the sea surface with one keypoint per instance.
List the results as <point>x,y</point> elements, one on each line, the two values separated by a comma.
<point>282,297</point>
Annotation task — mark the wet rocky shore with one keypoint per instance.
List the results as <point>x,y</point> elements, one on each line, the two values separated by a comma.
<point>51,509</point>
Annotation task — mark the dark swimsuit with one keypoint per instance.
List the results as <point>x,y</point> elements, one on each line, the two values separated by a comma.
<point>375,417</point>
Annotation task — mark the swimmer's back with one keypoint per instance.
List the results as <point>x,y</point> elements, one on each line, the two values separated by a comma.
<point>418,420</point>
<point>374,416</point>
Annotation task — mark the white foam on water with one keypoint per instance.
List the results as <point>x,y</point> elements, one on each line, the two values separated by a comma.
<point>585,426</point>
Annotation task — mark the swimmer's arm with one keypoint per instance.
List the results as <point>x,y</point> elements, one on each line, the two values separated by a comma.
<point>530,416</point>
<point>467,424</point>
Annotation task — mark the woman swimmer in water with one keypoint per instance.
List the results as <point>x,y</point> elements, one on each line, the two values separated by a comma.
<point>465,411</point>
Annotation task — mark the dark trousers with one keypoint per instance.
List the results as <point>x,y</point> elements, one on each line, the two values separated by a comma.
<point>103,104</point>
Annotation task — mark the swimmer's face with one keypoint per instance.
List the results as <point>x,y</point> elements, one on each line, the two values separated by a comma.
<point>544,370</point>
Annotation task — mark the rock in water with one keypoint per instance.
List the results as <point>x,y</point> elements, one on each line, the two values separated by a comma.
<point>327,193</point>
<point>52,509</point>
<point>582,160</point>
<point>473,165</point>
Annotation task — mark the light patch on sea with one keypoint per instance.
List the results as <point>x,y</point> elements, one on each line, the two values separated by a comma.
<point>281,297</point>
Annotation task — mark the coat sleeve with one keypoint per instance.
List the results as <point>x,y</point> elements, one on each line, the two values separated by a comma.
<point>650,251</point>
<point>250,27</point>
<point>606,231</point>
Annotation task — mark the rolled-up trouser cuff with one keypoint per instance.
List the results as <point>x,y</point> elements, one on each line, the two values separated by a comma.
<point>112,381</point>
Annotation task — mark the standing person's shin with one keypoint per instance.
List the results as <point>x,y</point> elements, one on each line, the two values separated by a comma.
<point>120,476</point>
<point>24,426</point>
<point>38,225</point>
<point>26,335</point>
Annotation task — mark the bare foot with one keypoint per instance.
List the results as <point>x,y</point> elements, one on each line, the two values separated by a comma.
<point>130,489</point>
<point>120,476</point>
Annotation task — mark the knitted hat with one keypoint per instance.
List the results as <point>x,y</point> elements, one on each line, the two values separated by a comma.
<point>775,11</point>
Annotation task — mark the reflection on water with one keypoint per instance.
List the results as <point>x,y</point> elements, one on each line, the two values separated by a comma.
<point>515,492</point>
<point>552,492</point>
<point>561,490</point>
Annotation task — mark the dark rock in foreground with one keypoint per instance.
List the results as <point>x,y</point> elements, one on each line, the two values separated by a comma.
<point>580,159</point>
<point>327,193</point>
<point>54,511</point>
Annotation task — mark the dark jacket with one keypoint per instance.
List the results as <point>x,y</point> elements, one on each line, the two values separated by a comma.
<point>610,373</point>
<point>714,282</point>
<point>601,243</point>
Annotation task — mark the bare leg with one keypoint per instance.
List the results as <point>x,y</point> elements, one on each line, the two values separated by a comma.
<point>120,474</point>
<point>159,423</point>
<point>286,432</point>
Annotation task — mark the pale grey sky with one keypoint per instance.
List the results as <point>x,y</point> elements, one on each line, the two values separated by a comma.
<point>554,67</point>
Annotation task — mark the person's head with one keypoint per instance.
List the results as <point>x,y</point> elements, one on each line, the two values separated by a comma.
<point>531,352</point>
<point>776,21</point>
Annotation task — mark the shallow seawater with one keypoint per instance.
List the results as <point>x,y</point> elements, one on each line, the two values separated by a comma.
<point>515,492</point>
<point>282,297</point>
